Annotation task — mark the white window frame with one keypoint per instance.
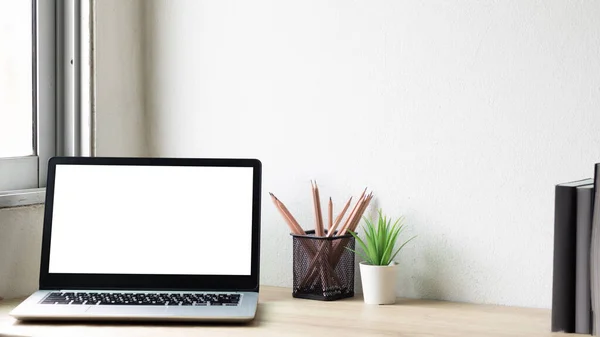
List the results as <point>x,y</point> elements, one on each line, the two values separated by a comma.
<point>63,100</point>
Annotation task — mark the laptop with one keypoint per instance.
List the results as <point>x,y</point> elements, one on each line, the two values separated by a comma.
<point>156,239</point>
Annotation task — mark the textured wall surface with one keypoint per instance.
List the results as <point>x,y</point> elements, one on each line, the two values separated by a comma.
<point>460,115</point>
<point>20,247</point>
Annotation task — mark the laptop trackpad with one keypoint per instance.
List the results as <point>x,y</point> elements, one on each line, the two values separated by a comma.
<point>133,311</point>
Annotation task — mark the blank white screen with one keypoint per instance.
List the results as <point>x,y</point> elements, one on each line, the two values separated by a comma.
<point>151,220</point>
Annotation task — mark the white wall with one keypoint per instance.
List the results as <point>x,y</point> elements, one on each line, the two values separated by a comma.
<point>20,247</point>
<point>120,115</point>
<point>120,131</point>
<point>460,115</point>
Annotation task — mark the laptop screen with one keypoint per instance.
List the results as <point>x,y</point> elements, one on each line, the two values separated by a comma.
<point>169,220</point>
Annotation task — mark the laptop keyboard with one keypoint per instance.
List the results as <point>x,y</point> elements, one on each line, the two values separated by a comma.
<point>175,299</point>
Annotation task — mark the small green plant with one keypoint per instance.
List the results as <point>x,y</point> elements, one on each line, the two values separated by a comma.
<point>378,246</point>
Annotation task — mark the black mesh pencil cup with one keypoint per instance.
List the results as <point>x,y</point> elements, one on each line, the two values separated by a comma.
<point>323,267</point>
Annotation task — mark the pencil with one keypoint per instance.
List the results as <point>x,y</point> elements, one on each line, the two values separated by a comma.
<point>317,206</point>
<point>321,232</point>
<point>330,225</point>
<point>357,215</point>
<point>339,218</point>
<point>287,216</point>
<point>342,231</point>
<point>360,213</point>
<point>352,215</point>
<point>325,270</point>
<point>297,229</point>
<point>338,246</point>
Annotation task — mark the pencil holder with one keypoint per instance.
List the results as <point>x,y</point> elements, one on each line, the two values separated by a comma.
<point>323,267</point>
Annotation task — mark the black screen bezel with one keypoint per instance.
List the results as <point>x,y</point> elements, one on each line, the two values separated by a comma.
<point>53,281</point>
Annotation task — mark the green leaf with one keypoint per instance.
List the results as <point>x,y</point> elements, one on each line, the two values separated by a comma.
<point>380,237</point>
<point>363,246</point>
<point>360,254</point>
<point>371,249</point>
<point>385,258</point>
<point>359,241</point>
<point>390,241</point>
<point>383,232</point>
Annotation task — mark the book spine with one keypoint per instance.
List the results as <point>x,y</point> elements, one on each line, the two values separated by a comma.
<point>584,233</point>
<point>594,250</point>
<point>563,275</point>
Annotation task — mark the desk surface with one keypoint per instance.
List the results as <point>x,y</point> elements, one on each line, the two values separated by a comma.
<point>281,315</point>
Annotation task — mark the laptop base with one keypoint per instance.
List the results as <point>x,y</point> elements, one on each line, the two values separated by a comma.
<point>31,309</point>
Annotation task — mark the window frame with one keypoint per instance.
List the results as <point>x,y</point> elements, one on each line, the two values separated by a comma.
<point>63,97</point>
<point>19,173</point>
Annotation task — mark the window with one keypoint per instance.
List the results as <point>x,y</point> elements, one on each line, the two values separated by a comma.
<point>16,83</point>
<point>18,122</point>
<point>44,44</point>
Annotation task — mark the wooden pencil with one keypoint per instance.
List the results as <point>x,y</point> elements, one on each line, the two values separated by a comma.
<point>341,232</point>
<point>338,219</point>
<point>351,225</point>
<point>354,209</point>
<point>297,229</point>
<point>352,215</point>
<point>325,271</point>
<point>320,212</point>
<point>330,225</point>
<point>338,250</point>
<point>339,246</point>
<point>317,206</point>
<point>291,226</point>
<point>360,213</point>
<point>292,223</point>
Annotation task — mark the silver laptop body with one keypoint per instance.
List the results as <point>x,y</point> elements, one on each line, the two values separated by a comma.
<point>154,239</point>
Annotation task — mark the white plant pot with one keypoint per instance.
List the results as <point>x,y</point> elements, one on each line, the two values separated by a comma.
<point>378,283</point>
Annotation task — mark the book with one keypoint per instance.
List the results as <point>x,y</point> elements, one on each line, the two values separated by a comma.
<point>594,251</point>
<point>565,256</point>
<point>583,309</point>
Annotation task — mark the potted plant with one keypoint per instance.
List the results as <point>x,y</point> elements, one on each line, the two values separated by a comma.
<point>378,270</point>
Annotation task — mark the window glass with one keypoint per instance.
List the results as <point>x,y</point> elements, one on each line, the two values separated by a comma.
<point>16,81</point>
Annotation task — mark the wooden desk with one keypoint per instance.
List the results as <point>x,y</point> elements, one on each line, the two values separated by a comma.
<point>281,315</point>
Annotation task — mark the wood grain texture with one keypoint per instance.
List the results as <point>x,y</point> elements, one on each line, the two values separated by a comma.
<point>281,315</point>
